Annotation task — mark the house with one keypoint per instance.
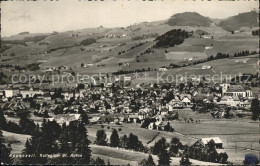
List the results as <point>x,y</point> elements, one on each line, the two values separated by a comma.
<point>162,69</point>
<point>203,142</point>
<point>249,93</point>
<point>224,87</point>
<point>235,90</point>
<point>30,92</point>
<point>206,36</point>
<point>229,100</point>
<point>47,97</point>
<point>152,126</point>
<point>176,103</point>
<point>208,47</point>
<point>133,118</point>
<point>67,118</point>
<point>127,78</point>
<point>95,120</point>
<point>185,99</point>
<point>9,93</point>
<point>88,65</point>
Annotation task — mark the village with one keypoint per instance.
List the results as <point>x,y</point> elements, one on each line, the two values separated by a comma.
<point>91,84</point>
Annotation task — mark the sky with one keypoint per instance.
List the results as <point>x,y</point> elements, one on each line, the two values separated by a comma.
<point>45,16</point>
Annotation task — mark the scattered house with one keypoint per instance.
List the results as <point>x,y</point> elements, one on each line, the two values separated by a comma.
<point>203,142</point>
<point>206,36</point>
<point>208,47</point>
<point>88,65</point>
<point>162,69</point>
<point>95,120</point>
<point>127,78</point>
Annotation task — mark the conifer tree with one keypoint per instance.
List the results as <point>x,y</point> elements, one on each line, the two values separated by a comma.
<point>4,151</point>
<point>164,157</point>
<point>101,138</point>
<point>82,146</point>
<point>114,139</point>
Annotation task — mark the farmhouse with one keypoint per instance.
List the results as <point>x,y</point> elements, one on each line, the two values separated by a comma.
<point>208,48</point>
<point>162,69</point>
<point>203,142</point>
<point>88,65</point>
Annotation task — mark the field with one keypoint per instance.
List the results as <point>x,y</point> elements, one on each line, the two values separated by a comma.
<point>17,141</point>
<point>239,136</point>
<point>181,55</point>
<point>119,156</point>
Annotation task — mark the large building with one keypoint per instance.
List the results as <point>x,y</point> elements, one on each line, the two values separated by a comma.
<point>235,90</point>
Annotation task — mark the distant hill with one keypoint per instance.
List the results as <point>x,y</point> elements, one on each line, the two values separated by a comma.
<point>189,19</point>
<point>248,19</point>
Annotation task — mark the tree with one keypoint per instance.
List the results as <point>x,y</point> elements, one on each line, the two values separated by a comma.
<point>27,126</point>
<point>64,141</point>
<point>255,109</point>
<point>164,157</point>
<point>123,141</point>
<point>223,157</point>
<point>114,139</point>
<point>101,138</point>
<point>147,162</point>
<point>212,155</point>
<point>82,145</point>
<point>98,161</point>
<point>159,146</point>
<point>185,161</point>
<point>84,118</point>
<point>174,150</point>
<point>5,151</point>
<point>167,127</point>
<point>150,160</point>
<point>45,114</point>
<point>2,120</point>
<point>134,143</point>
<point>145,123</point>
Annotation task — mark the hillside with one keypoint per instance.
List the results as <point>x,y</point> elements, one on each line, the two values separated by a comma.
<point>189,19</point>
<point>248,19</point>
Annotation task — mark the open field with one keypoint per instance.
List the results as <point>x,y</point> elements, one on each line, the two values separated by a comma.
<point>122,157</point>
<point>18,139</point>
<point>181,55</point>
<point>239,136</point>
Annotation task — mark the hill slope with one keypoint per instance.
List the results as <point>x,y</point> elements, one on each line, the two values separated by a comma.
<point>189,19</point>
<point>248,19</point>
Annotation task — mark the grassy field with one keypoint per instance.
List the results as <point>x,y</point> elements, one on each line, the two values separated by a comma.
<point>17,141</point>
<point>239,136</point>
<point>122,157</point>
<point>181,55</point>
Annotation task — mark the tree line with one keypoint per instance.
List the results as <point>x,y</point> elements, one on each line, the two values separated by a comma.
<point>66,141</point>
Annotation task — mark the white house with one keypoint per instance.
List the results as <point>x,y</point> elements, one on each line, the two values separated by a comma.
<point>162,69</point>
<point>235,90</point>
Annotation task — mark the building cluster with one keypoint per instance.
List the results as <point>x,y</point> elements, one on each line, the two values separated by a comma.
<point>115,103</point>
